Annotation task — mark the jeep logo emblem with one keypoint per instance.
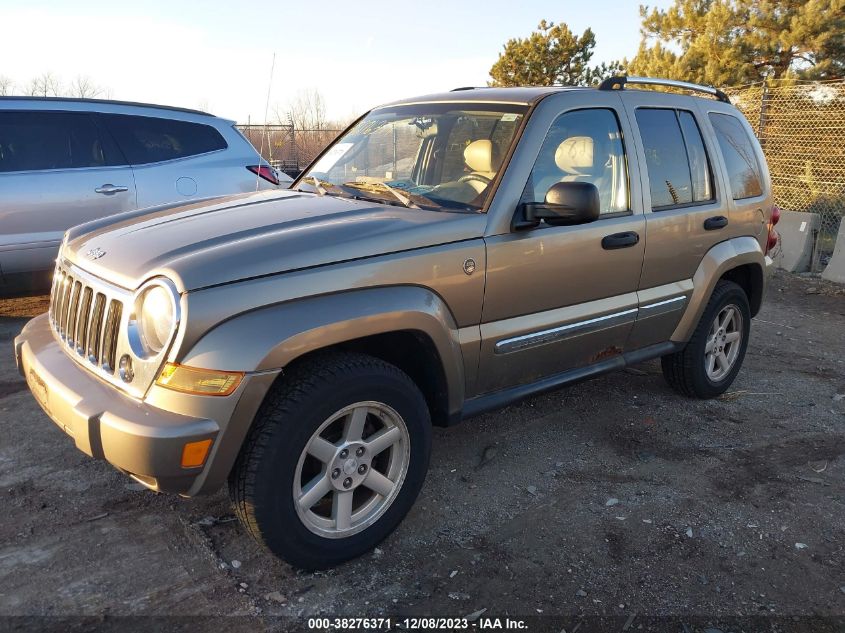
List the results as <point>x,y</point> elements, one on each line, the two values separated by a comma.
<point>95,253</point>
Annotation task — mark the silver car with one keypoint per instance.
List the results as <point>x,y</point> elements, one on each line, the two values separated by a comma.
<point>64,162</point>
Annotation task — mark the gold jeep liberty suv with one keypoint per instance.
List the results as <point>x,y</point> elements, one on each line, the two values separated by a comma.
<point>445,256</point>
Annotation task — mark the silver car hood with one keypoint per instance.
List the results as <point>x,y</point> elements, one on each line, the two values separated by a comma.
<point>223,240</point>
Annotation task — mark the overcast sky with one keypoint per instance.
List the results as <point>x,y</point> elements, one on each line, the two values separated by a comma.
<point>217,55</point>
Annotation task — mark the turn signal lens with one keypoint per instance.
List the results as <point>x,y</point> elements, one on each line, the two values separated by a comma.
<point>194,453</point>
<point>201,382</point>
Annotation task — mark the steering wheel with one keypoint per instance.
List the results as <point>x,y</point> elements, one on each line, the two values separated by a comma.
<point>474,176</point>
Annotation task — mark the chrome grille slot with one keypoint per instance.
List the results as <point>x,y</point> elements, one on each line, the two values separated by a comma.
<point>73,311</point>
<point>63,300</point>
<point>110,335</point>
<point>93,347</point>
<point>87,314</point>
<point>84,315</point>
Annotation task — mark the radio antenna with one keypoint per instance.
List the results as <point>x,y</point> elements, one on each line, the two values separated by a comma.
<point>266,110</point>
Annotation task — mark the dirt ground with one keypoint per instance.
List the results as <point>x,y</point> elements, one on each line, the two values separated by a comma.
<point>615,497</point>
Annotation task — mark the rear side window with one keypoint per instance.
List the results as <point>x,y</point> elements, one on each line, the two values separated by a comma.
<point>678,168</point>
<point>740,158</point>
<point>35,141</point>
<point>699,166</point>
<point>152,139</point>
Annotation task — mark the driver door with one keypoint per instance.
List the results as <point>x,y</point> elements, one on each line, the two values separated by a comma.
<point>559,298</point>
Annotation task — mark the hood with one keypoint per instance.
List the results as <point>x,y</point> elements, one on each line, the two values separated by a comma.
<point>217,241</point>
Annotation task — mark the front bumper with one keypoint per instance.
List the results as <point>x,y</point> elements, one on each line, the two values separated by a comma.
<point>135,437</point>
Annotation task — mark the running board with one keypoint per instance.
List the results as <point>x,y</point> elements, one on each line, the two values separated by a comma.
<point>504,397</point>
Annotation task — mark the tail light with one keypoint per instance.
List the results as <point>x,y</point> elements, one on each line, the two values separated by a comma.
<point>264,171</point>
<point>772,239</point>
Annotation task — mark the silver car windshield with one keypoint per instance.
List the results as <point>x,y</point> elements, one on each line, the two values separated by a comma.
<point>428,156</point>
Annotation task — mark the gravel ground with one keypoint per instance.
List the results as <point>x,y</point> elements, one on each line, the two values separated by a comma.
<point>615,497</point>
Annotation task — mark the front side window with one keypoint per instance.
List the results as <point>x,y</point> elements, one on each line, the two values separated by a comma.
<point>432,156</point>
<point>678,169</point>
<point>151,139</point>
<point>583,146</point>
<point>38,140</point>
<point>740,159</point>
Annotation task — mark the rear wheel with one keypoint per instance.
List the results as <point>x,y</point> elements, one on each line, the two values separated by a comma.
<point>709,363</point>
<point>336,458</point>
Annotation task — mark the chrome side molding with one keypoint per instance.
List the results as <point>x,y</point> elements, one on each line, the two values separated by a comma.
<point>570,330</point>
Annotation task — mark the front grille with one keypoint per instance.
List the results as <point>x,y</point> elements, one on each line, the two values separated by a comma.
<point>86,318</point>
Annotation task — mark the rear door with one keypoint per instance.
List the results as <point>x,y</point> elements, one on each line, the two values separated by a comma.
<point>173,159</point>
<point>685,210</point>
<point>57,170</point>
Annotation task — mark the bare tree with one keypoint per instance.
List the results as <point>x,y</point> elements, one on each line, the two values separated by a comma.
<point>312,129</point>
<point>45,85</point>
<point>7,86</point>
<point>307,111</point>
<point>84,87</point>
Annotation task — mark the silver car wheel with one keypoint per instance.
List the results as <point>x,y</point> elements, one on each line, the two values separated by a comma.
<point>351,470</point>
<point>723,343</point>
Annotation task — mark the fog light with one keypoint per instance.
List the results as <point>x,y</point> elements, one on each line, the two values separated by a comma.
<point>127,374</point>
<point>194,453</point>
<point>201,382</point>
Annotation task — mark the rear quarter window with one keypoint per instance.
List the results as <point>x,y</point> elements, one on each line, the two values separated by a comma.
<point>152,139</point>
<point>740,157</point>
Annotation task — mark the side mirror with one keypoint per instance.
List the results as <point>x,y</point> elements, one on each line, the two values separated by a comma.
<point>566,203</point>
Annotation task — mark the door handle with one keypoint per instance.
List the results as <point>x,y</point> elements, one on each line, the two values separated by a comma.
<point>110,189</point>
<point>717,222</point>
<point>620,240</point>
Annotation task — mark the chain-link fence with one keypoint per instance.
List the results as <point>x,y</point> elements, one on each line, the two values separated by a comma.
<point>801,126</point>
<point>286,147</point>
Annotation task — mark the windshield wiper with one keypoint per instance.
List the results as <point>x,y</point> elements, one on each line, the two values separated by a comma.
<point>399,196</point>
<point>321,190</point>
<point>405,200</point>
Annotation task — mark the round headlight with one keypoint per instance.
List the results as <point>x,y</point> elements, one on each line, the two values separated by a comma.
<point>155,317</point>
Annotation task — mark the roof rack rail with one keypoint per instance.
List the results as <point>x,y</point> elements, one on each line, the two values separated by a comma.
<point>618,83</point>
<point>468,88</point>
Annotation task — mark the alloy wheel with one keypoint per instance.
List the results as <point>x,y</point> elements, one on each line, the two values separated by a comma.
<point>351,469</point>
<point>724,342</point>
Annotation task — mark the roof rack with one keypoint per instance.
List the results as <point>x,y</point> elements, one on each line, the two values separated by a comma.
<point>618,83</point>
<point>468,88</point>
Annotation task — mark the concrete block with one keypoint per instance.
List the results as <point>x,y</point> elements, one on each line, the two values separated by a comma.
<point>835,270</point>
<point>797,232</point>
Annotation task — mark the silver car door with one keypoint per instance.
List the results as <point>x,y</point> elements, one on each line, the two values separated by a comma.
<point>56,171</point>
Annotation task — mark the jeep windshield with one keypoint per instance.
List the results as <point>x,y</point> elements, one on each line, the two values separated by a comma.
<point>440,156</point>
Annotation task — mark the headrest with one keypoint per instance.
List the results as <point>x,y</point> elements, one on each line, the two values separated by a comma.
<point>575,155</point>
<point>478,156</point>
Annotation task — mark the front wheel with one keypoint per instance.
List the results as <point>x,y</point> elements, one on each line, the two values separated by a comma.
<point>709,363</point>
<point>336,458</point>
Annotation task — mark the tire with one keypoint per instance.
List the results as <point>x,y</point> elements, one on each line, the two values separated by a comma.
<point>276,465</point>
<point>688,371</point>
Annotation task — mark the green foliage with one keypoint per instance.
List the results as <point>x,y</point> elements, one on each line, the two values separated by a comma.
<point>551,55</point>
<point>729,42</point>
<point>595,75</point>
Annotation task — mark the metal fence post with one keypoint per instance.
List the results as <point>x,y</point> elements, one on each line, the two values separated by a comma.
<point>761,122</point>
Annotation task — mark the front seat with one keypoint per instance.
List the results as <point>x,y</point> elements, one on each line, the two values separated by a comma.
<point>575,158</point>
<point>482,159</point>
